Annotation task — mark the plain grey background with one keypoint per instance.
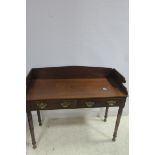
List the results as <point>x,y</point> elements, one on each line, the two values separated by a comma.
<point>78,32</point>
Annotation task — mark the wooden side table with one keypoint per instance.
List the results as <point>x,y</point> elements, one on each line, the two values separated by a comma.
<point>73,87</point>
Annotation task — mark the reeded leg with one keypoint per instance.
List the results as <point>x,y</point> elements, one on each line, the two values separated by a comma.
<point>117,123</point>
<point>30,120</point>
<point>39,117</point>
<point>106,114</point>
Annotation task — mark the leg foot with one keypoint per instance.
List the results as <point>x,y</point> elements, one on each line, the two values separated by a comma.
<point>34,146</point>
<point>114,139</point>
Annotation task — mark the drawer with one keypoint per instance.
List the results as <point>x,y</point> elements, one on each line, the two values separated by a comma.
<point>100,103</point>
<point>49,105</point>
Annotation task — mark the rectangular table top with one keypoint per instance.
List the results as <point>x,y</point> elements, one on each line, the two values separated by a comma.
<point>72,89</point>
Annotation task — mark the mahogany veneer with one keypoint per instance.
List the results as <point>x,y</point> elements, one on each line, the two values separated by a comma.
<point>74,87</point>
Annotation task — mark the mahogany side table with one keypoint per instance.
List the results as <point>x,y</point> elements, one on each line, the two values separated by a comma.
<point>73,87</point>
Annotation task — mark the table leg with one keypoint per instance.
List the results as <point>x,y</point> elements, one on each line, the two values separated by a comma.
<point>117,123</point>
<point>106,114</point>
<point>39,117</point>
<point>30,120</point>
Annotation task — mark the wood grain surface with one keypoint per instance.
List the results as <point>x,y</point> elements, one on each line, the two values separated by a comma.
<point>72,88</point>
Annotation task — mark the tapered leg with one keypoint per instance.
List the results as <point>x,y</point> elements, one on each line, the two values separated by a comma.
<point>117,123</point>
<point>106,114</point>
<point>39,117</point>
<point>30,120</point>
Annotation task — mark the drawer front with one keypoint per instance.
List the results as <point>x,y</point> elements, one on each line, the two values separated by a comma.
<point>100,103</point>
<point>49,105</point>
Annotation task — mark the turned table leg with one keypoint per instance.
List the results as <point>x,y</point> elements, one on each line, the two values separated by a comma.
<point>39,117</point>
<point>117,123</point>
<point>30,120</point>
<point>106,114</point>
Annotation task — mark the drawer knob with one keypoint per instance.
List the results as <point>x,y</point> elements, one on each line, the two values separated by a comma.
<point>65,104</point>
<point>42,105</point>
<point>111,103</point>
<point>89,104</point>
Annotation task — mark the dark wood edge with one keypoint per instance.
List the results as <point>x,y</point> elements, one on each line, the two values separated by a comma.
<point>29,78</point>
<point>117,76</point>
<point>89,67</point>
<point>117,80</point>
<point>65,72</point>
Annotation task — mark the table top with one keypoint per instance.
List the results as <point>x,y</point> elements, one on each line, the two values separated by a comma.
<point>72,89</point>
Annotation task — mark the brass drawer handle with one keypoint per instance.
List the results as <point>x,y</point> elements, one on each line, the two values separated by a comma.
<point>42,105</point>
<point>65,104</point>
<point>89,104</point>
<point>111,103</point>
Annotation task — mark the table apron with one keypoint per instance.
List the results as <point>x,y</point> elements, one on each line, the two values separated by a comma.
<point>74,104</point>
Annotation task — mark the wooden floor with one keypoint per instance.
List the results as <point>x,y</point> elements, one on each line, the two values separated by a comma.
<point>71,88</point>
